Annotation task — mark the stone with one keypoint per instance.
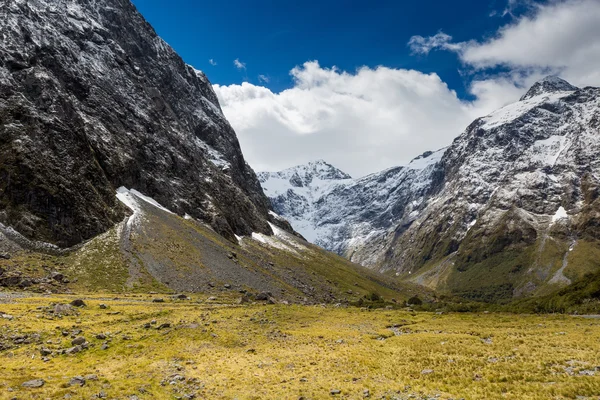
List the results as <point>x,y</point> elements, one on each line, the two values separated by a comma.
<point>427,372</point>
<point>78,341</point>
<point>4,256</point>
<point>212,298</point>
<point>78,303</point>
<point>57,276</point>
<point>180,297</point>
<point>158,300</point>
<point>263,296</point>
<point>104,346</point>
<point>101,336</point>
<point>227,286</point>
<point>45,351</point>
<point>25,283</point>
<point>77,381</point>
<point>333,392</point>
<point>73,350</point>
<point>103,306</point>
<point>34,383</point>
<point>366,393</point>
<point>164,326</point>
<point>10,281</point>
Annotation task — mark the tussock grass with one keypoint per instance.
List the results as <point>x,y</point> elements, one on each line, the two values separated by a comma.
<point>285,352</point>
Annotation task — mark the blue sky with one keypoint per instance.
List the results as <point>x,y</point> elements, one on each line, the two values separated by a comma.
<point>271,37</point>
<point>370,85</point>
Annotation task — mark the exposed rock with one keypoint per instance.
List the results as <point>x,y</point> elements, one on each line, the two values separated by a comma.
<point>45,351</point>
<point>77,381</point>
<point>78,341</point>
<point>64,309</point>
<point>73,350</point>
<point>264,296</point>
<point>35,383</point>
<point>78,303</point>
<point>80,117</point>
<point>159,300</point>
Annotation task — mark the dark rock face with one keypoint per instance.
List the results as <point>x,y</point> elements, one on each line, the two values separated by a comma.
<point>92,99</point>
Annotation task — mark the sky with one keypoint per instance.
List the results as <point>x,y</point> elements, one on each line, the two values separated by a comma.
<point>371,85</point>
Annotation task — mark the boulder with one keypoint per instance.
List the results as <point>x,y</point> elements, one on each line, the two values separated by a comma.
<point>78,303</point>
<point>77,381</point>
<point>34,383</point>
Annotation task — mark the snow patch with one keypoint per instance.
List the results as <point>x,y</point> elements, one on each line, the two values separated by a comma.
<point>561,213</point>
<point>131,199</point>
<point>513,111</point>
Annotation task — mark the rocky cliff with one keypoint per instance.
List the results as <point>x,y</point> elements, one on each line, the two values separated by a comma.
<point>92,99</point>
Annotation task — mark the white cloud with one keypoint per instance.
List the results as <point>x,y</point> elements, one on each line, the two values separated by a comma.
<point>375,118</point>
<point>263,79</point>
<point>423,45</point>
<point>555,38</point>
<point>212,62</point>
<point>361,122</point>
<point>561,37</point>
<point>238,64</point>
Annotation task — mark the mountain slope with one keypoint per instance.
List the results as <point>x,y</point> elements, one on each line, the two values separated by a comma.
<point>342,214</point>
<point>510,209</point>
<point>92,99</point>
<point>119,172</point>
<point>517,211</point>
<point>154,249</point>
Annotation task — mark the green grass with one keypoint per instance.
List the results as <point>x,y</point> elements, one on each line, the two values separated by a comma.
<point>281,352</point>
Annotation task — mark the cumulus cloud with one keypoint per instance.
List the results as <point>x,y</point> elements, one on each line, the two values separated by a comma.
<point>375,118</point>
<point>212,62</point>
<point>361,122</point>
<point>238,64</point>
<point>555,38</point>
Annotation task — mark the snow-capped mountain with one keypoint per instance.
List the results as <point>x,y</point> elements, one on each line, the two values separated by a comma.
<point>92,99</point>
<point>341,214</point>
<point>510,208</point>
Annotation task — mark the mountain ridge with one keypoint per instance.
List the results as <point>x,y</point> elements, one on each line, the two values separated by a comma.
<point>513,192</point>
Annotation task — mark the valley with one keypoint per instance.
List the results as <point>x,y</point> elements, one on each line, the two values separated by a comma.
<point>201,347</point>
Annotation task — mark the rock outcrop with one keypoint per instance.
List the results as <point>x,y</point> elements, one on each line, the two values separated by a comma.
<point>91,99</point>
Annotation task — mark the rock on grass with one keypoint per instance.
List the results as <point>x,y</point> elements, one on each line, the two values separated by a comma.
<point>34,383</point>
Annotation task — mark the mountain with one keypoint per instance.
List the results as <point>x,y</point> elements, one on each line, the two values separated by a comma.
<point>119,171</point>
<point>92,99</point>
<point>342,214</point>
<point>509,210</point>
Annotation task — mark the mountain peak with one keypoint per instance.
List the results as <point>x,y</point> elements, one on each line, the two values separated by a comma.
<point>549,84</point>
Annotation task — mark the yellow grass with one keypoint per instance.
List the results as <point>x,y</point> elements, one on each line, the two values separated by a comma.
<point>287,352</point>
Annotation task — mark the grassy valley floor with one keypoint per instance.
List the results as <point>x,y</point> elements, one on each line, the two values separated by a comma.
<point>198,348</point>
